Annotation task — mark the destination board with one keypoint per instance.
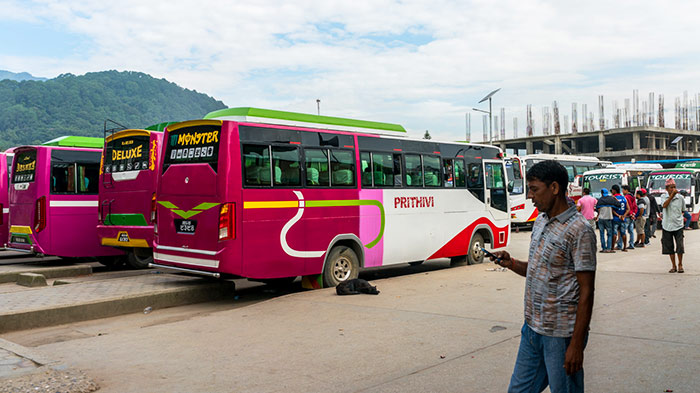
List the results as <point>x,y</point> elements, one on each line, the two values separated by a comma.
<point>127,154</point>
<point>193,145</point>
<point>25,166</point>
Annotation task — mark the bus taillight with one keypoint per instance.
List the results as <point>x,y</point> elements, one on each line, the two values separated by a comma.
<point>153,208</point>
<point>227,222</point>
<point>40,215</point>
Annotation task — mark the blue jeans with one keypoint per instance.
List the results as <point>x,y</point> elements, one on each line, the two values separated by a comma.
<point>617,230</point>
<point>629,224</point>
<point>540,363</point>
<point>606,234</point>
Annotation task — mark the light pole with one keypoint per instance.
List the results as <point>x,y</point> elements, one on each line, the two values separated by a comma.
<point>318,106</point>
<point>488,97</point>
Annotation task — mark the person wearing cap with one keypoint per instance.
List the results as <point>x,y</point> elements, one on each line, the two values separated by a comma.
<point>605,206</point>
<point>673,205</point>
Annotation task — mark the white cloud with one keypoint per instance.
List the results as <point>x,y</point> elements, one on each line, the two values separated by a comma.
<point>284,55</point>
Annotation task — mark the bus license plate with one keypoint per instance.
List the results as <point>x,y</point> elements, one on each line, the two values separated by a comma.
<point>185,226</point>
<point>18,239</point>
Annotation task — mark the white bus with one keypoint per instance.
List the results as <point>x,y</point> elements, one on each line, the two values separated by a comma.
<point>632,175</point>
<point>522,211</point>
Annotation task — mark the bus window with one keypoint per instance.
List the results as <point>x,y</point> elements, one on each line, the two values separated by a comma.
<point>88,176</point>
<point>366,167</point>
<point>383,173</point>
<point>286,162</point>
<point>397,170</point>
<point>460,175</point>
<point>495,181</point>
<point>317,173</point>
<point>433,177</point>
<point>570,172</point>
<point>414,171</point>
<point>63,178</point>
<point>475,180</point>
<point>342,168</point>
<point>448,170</point>
<point>256,165</point>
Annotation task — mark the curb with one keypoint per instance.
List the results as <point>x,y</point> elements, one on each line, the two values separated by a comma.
<point>48,272</point>
<point>110,307</point>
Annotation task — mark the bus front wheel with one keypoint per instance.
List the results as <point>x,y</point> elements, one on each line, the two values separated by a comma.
<point>476,255</point>
<point>342,264</point>
<point>139,258</point>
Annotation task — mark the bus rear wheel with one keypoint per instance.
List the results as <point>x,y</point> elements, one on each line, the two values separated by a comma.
<point>139,258</point>
<point>113,261</point>
<point>341,265</point>
<point>476,255</point>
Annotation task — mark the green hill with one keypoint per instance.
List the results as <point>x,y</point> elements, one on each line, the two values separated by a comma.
<point>32,112</point>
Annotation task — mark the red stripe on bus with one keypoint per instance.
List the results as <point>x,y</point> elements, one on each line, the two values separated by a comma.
<point>295,143</point>
<point>349,146</point>
<point>436,152</point>
<point>397,149</point>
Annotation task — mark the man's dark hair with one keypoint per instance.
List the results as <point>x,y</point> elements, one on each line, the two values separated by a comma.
<point>549,171</point>
<point>586,191</point>
<point>626,188</point>
<point>615,188</point>
<point>640,193</point>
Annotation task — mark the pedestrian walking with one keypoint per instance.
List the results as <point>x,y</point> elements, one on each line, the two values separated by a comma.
<point>632,216</point>
<point>642,215</point>
<point>619,215</point>
<point>560,276</point>
<point>586,206</point>
<point>673,205</point>
<point>605,206</point>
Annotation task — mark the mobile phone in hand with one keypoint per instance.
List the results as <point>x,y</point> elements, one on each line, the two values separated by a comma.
<point>490,255</point>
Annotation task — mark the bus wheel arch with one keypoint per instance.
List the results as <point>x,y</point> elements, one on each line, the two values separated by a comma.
<point>481,236</point>
<point>344,259</point>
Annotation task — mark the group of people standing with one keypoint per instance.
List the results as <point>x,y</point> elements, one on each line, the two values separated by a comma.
<point>620,215</point>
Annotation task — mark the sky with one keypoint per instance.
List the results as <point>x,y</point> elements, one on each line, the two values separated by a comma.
<point>422,64</point>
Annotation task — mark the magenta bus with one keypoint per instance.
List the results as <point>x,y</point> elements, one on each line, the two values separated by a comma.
<point>270,195</point>
<point>127,186</point>
<point>5,169</point>
<point>53,202</point>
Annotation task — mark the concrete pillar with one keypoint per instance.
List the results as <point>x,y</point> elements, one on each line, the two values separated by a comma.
<point>662,141</point>
<point>601,142</point>
<point>528,147</point>
<point>695,145</point>
<point>557,145</point>
<point>635,141</point>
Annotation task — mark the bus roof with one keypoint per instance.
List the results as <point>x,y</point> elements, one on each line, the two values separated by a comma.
<point>676,170</point>
<point>268,116</point>
<point>160,126</point>
<point>562,157</point>
<point>76,141</point>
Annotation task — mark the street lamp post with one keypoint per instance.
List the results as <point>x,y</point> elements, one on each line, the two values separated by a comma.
<point>318,106</point>
<point>488,97</point>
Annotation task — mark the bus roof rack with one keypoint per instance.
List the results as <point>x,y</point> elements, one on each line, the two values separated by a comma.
<point>76,141</point>
<point>268,116</point>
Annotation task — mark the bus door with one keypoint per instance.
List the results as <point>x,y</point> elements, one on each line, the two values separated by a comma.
<point>496,189</point>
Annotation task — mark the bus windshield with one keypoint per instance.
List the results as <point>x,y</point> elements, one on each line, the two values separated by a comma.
<point>193,145</point>
<point>597,182</point>
<point>126,154</point>
<point>25,166</point>
<point>657,182</point>
<point>515,176</point>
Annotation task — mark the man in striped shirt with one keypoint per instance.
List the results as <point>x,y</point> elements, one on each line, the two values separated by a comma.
<point>560,276</point>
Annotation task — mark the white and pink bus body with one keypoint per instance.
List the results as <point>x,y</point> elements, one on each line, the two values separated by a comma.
<point>266,194</point>
<point>523,212</point>
<point>53,202</point>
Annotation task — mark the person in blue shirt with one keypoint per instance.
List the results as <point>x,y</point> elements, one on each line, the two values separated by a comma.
<point>619,215</point>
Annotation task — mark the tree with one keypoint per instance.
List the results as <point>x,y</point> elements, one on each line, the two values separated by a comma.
<point>427,135</point>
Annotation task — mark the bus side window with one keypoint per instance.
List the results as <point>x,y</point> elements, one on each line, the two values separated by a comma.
<point>287,165</point>
<point>397,171</point>
<point>448,169</point>
<point>366,169</point>
<point>414,171</point>
<point>88,175</point>
<point>316,167</point>
<point>433,175</point>
<point>383,170</point>
<point>256,165</point>
<point>460,174</point>
<point>475,180</point>
<point>570,172</point>
<point>63,178</point>
<point>342,168</point>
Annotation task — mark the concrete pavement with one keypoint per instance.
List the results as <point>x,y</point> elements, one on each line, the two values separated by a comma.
<point>450,330</point>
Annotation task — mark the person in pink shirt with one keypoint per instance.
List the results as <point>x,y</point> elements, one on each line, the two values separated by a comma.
<point>586,205</point>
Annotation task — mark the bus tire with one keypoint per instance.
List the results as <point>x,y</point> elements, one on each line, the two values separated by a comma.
<point>341,265</point>
<point>112,262</point>
<point>139,258</point>
<point>475,254</point>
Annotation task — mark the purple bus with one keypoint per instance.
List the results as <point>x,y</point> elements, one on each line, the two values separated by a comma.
<point>128,175</point>
<point>53,203</point>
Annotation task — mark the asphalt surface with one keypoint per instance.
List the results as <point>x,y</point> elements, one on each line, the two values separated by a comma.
<point>431,329</point>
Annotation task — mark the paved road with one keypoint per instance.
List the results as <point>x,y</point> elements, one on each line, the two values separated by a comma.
<point>444,330</point>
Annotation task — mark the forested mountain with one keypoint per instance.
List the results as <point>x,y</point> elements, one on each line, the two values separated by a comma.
<point>22,76</point>
<point>33,112</point>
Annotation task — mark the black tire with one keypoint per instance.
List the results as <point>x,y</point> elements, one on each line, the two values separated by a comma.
<point>139,258</point>
<point>476,255</point>
<point>112,262</point>
<point>341,265</point>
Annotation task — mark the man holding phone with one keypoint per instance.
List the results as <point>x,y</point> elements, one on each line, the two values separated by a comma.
<point>560,274</point>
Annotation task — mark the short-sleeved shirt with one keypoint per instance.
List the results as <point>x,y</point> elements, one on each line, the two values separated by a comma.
<point>559,247</point>
<point>623,207</point>
<point>642,205</point>
<point>673,213</point>
<point>587,204</point>
<point>647,206</point>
